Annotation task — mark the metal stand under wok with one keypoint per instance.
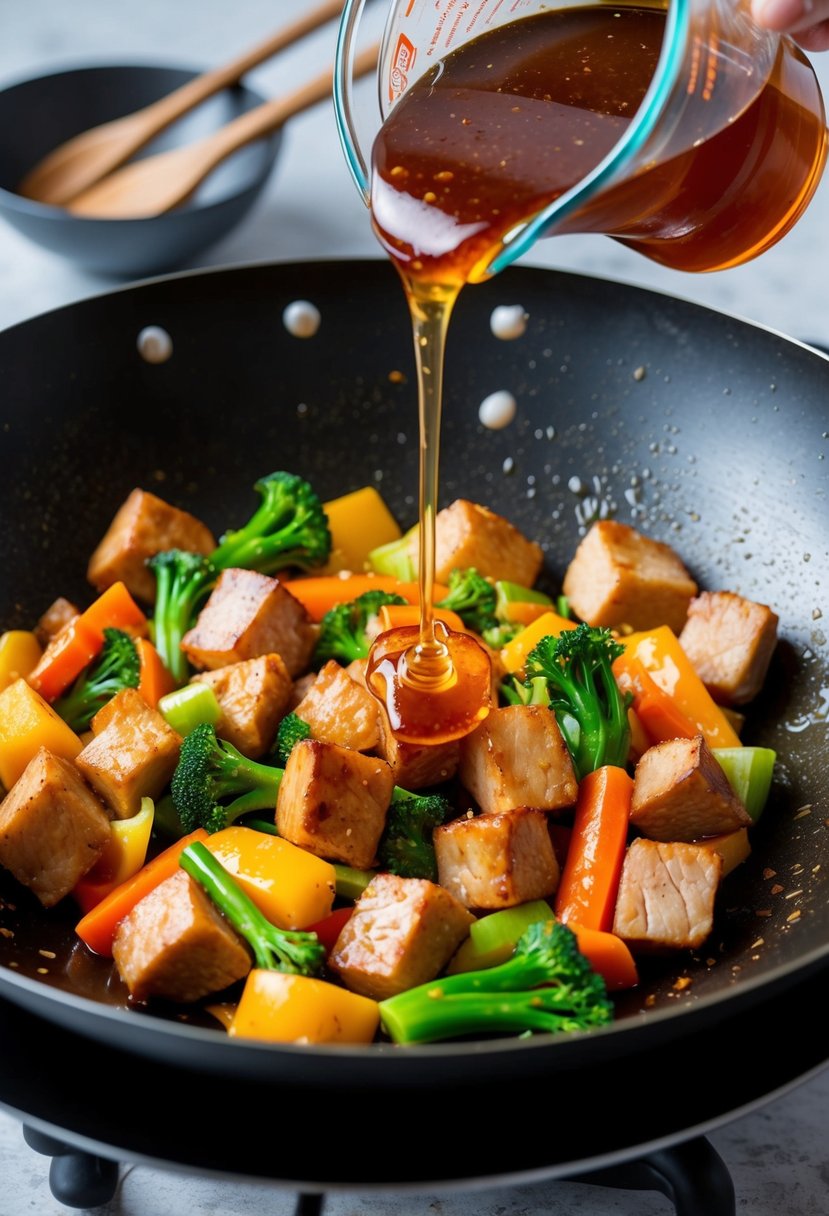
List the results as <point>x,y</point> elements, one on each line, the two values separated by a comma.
<point>692,1175</point>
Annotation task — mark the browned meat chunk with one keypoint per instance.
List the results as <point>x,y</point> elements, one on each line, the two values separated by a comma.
<point>253,696</point>
<point>416,766</point>
<point>497,861</point>
<point>143,526</point>
<point>333,801</point>
<point>247,615</point>
<point>52,828</point>
<point>620,577</point>
<point>518,757</point>
<point>468,534</point>
<point>59,613</point>
<point>680,792</point>
<point>132,754</point>
<point>666,895</point>
<point>341,710</point>
<point>176,946</point>
<point>730,641</point>
<point>403,931</point>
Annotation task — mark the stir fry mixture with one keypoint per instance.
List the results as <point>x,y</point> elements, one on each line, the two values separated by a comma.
<point>194,763</point>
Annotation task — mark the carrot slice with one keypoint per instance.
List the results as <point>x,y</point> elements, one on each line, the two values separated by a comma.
<point>609,956</point>
<point>154,679</point>
<point>397,616</point>
<point>320,593</point>
<point>82,639</point>
<point>97,928</point>
<point>590,879</point>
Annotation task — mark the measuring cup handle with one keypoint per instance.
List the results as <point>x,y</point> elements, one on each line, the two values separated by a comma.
<point>343,80</point>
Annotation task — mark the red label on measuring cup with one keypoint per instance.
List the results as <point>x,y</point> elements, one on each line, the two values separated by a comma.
<point>402,62</point>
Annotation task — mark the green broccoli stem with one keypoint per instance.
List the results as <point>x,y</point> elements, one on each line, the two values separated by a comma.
<point>274,949</point>
<point>431,1016</point>
<point>183,581</point>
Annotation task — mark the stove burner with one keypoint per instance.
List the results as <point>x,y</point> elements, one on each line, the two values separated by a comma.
<point>691,1174</point>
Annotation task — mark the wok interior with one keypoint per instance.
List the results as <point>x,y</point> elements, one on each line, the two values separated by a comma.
<point>704,431</point>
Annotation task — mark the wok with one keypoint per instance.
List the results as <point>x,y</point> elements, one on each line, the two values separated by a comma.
<point>702,429</point>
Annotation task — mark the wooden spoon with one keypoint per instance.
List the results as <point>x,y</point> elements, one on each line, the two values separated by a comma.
<point>156,184</point>
<point>80,162</point>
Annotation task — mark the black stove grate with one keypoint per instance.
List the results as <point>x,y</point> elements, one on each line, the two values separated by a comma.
<point>691,1174</point>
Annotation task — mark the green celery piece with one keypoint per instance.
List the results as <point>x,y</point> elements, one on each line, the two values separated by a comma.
<point>492,938</point>
<point>350,883</point>
<point>749,771</point>
<point>514,593</point>
<point>394,558</point>
<point>186,708</point>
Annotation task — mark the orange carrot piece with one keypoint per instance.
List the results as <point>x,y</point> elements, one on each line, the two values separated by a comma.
<point>609,956</point>
<point>590,879</point>
<point>97,928</point>
<point>397,616</point>
<point>82,639</point>
<point>320,593</point>
<point>657,711</point>
<point>154,679</point>
<point>64,658</point>
<point>115,609</point>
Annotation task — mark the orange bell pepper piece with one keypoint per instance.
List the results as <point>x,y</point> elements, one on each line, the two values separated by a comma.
<point>97,928</point>
<point>590,878</point>
<point>671,671</point>
<point>608,955</point>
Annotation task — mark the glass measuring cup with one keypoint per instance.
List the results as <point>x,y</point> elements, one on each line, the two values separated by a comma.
<point>721,158</point>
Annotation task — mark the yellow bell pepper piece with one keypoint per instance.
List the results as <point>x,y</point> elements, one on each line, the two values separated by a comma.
<point>359,522</point>
<point>514,654</point>
<point>27,723</point>
<point>122,857</point>
<point>659,652</point>
<point>733,847</point>
<point>284,1008</point>
<point>20,653</point>
<point>289,885</point>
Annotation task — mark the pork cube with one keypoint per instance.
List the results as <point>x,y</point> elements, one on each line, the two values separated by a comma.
<point>620,577</point>
<point>469,534</point>
<point>333,801</point>
<point>680,792</point>
<point>497,860</point>
<point>518,757</point>
<point>52,827</point>
<point>253,696</point>
<point>143,526</point>
<point>132,754</point>
<point>666,895</point>
<point>247,615</point>
<point>730,641</point>
<point>59,613</point>
<point>402,933</point>
<point>175,945</point>
<point>341,710</point>
<point>417,766</point>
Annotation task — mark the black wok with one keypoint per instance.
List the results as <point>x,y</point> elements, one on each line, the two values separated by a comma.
<point>706,431</point>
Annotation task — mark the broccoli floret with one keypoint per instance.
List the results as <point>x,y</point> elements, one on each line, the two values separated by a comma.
<point>183,581</point>
<point>274,949</point>
<point>498,635</point>
<point>473,598</point>
<point>209,772</point>
<point>573,675</point>
<point>291,729</point>
<point>406,847</point>
<point>547,985</point>
<point>288,529</point>
<point>342,634</point>
<point>117,667</point>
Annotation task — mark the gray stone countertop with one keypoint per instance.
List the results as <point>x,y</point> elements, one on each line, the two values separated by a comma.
<point>777,1152</point>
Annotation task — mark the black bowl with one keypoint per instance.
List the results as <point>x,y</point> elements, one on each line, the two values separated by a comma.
<point>39,114</point>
